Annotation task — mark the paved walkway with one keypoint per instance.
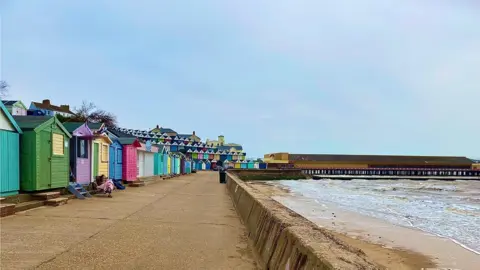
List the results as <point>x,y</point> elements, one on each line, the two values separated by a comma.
<point>182,223</point>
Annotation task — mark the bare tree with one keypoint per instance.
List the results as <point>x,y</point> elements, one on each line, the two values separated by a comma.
<point>3,89</point>
<point>88,111</point>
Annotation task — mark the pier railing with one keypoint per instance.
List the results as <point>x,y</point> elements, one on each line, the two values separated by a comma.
<point>392,172</point>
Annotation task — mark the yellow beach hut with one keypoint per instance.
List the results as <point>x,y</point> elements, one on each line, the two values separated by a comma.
<point>101,155</point>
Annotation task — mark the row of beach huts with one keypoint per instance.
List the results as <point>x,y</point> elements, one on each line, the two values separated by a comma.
<point>38,152</point>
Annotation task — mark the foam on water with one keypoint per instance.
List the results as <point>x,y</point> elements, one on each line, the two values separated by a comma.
<point>445,209</point>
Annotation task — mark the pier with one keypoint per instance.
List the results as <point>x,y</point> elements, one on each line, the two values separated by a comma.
<point>393,173</point>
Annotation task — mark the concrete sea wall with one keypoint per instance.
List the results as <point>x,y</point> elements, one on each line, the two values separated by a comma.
<point>283,239</point>
<point>268,174</point>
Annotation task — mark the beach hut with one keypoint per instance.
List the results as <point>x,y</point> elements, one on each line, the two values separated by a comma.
<point>129,157</point>
<point>146,159</point>
<point>174,147</point>
<point>115,160</point>
<point>204,165</point>
<point>44,153</point>
<point>251,164</point>
<point>234,156</point>
<point>226,164</point>
<point>199,165</point>
<point>201,154</point>
<point>238,165</point>
<point>80,152</point>
<point>172,164</point>
<point>9,154</point>
<point>208,165</point>
<point>188,166</point>
<point>244,165</point>
<point>223,156</point>
<point>167,145</point>
<point>195,154</point>
<point>100,155</point>
<point>189,153</point>
<point>217,155</point>
<point>256,165</point>
<point>164,160</point>
<point>169,164</point>
<point>211,154</point>
<point>178,165</point>
<point>159,160</point>
<point>230,156</point>
<point>183,169</point>
<point>262,166</point>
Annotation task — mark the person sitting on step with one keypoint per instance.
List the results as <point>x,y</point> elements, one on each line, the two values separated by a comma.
<point>105,185</point>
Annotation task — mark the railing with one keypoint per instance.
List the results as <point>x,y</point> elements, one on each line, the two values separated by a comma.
<point>392,172</point>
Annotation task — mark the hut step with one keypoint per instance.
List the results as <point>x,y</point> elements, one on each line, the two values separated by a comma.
<point>47,195</point>
<point>56,201</point>
<point>79,191</point>
<point>7,209</point>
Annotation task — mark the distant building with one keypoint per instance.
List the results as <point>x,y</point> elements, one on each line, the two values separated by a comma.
<point>47,109</point>
<point>161,130</point>
<point>319,161</point>
<point>222,146</point>
<point>192,136</point>
<point>15,107</point>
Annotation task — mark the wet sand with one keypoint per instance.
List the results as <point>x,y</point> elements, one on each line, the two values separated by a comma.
<point>392,246</point>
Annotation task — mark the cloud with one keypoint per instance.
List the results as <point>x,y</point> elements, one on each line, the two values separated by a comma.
<point>346,76</point>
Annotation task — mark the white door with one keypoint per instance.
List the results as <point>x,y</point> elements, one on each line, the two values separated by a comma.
<point>141,163</point>
<point>149,164</point>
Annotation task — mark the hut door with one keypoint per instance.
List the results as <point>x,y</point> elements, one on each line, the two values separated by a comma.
<point>45,172</point>
<point>95,159</point>
<point>58,161</point>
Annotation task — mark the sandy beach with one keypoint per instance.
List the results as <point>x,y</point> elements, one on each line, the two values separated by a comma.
<point>390,245</point>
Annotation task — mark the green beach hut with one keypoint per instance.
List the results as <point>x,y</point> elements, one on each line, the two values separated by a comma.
<point>44,153</point>
<point>9,154</point>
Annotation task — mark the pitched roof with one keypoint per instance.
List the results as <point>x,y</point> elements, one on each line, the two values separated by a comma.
<point>127,140</point>
<point>381,159</point>
<point>32,122</point>
<point>51,107</point>
<point>10,118</point>
<point>9,102</point>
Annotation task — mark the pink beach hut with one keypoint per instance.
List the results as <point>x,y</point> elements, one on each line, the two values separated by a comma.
<point>80,154</point>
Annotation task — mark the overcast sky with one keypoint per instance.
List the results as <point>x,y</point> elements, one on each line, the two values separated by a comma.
<point>303,76</point>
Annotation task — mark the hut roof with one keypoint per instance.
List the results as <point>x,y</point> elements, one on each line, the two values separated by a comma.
<point>10,118</point>
<point>128,141</point>
<point>38,122</point>
<point>383,159</point>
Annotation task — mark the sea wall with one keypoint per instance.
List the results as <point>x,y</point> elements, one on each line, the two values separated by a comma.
<point>283,239</point>
<point>268,174</point>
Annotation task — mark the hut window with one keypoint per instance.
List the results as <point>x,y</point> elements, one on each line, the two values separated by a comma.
<point>104,153</point>
<point>82,148</point>
<point>57,145</point>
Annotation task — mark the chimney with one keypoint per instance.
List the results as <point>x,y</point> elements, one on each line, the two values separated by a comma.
<point>46,102</point>
<point>193,132</point>
<point>158,126</point>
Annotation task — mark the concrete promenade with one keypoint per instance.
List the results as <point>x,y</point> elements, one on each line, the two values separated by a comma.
<point>186,222</point>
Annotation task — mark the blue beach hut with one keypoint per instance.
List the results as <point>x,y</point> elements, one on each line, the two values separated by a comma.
<point>9,154</point>
<point>208,165</point>
<point>115,160</point>
<point>244,165</point>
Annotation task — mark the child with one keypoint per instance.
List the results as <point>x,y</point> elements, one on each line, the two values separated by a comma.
<point>105,185</point>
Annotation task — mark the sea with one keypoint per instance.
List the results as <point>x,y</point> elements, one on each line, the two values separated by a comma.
<point>449,209</point>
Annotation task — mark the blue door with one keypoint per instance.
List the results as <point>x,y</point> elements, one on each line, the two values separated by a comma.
<point>119,162</point>
<point>111,162</point>
<point>115,161</point>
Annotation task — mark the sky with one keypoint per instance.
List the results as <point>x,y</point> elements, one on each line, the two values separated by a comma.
<point>299,76</point>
